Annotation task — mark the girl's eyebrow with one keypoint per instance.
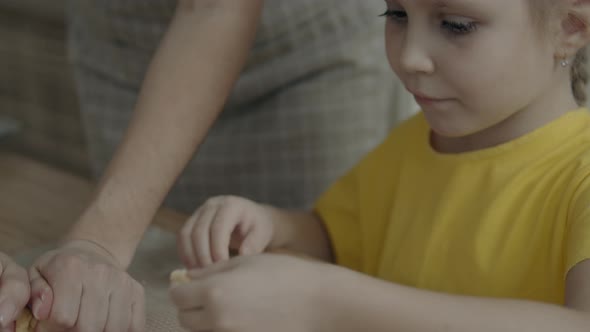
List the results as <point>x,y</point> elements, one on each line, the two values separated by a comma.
<point>441,4</point>
<point>450,3</point>
<point>470,5</point>
<point>458,4</point>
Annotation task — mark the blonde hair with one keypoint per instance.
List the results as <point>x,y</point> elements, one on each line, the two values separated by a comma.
<point>541,11</point>
<point>579,76</point>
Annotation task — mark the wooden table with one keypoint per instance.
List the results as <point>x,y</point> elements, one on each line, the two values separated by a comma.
<point>38,203</point>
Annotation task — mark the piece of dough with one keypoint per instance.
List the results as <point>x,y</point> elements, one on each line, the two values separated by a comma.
<point>179,276</point>
<point>26,322</point>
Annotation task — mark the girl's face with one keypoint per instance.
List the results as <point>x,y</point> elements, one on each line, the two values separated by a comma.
<point>470,64</point>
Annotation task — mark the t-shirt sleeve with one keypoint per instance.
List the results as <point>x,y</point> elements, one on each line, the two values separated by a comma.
<point>338,208</point>
<point>578,233</point>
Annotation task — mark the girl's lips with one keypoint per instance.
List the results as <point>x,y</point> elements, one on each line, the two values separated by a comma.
<point>428,100</point>
<point>424,97</point>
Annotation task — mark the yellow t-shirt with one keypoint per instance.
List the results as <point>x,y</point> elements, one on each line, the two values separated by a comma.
<point>507,221</point>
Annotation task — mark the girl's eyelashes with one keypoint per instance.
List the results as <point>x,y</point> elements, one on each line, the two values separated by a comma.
<point>459,28</point>
<point>455,27</point>
<point>396,15</point>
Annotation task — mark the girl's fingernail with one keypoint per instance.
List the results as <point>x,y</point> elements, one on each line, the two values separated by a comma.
<point>37,306</point>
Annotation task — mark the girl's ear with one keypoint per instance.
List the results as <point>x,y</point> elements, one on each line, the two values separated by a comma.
<point>575,27</point>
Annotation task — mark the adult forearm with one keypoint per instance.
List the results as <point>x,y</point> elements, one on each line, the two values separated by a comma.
<point>184,90</point>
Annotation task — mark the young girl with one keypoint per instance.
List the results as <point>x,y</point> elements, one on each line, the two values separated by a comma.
<point>472,216</point>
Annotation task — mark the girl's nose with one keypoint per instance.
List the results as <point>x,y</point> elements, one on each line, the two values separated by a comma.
<point>415,57</point>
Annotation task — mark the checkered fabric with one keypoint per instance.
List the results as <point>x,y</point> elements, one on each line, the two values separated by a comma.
<point>316,95</point>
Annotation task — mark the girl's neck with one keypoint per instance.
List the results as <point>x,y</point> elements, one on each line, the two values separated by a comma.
<point>547,108</point>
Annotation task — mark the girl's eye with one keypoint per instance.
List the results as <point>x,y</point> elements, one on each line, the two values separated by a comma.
<point>455,27</point>
<point>396,15</point>
<point>459,28</point>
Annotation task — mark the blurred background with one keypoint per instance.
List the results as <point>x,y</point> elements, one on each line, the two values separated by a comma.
<point>39,114</point>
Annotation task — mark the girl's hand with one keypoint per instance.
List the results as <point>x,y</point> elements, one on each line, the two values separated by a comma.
<point>253,293</point>
<point>221,224</point>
